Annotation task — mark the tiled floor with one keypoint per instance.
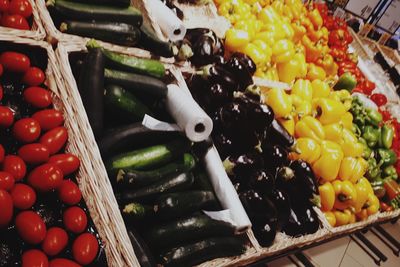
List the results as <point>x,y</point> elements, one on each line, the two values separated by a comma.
<point>346,253</point>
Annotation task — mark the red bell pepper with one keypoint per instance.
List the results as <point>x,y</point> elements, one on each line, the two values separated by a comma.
<point>379,99</point>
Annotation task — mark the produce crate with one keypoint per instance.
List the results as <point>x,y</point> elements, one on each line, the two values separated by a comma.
<point>36,32</point>
<point>71,90</point>
<point>96,189</point>
<point>54,35</point>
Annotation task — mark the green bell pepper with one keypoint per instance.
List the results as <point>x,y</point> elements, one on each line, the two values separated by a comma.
<point>374,117</point>
<point>390,172</point>
<point>379,189</point>
<point>346,81</point>
<point>371,135</point>
<point>387,157</point>
<point>374,171</point>
<point>387,134</point>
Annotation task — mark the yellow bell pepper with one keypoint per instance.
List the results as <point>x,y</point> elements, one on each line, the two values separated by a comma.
<point>329,111</point>
<point>346,194</point>
<point>342,218</point>
<point>350,145</point>
<point>266,36</point>
<point>280,102</point>
<point>370,207</point>
<point>276,29</point>
<point>288,30</point>
<point>320,89</point>
<point>314,35</point>
<point>347,121</point>
<point>330,217</point>
<point>306,149</point>
<point>326,62</point>
<point>288,124</point>
<point>312,52</point>
<point>303,89</point>
<point>327,196</point>
<point>268,15</point>
<point>264,48</point>
<point>352,169</point>
<point>282,51</point>
<point>325,34</point>
<point>299,31</point>
<point>333,132</point>
<point>311,128</point>
<point>288,71</point>
<point>278,6</point>
<point>247,26</point>
<point>328,165</point>
<point>299,56</point>
<point>255,53</point>
<point>302,108</point>
<point>233,10</point>
<point>364,181</point>
<point>342,96</point>
<point>353,218</point>
<point>236,39</point>
<point>362,195</point>
<point>315,18</point>
<point>315,72</point>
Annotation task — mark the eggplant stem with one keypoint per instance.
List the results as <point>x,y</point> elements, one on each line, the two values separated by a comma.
<point>228,165</point>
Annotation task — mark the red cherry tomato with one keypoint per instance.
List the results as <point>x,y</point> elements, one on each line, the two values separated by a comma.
<point>379,99</point>
<point>4,5</point>
<point>23,196</point>
<point>30,227</point>
<point>85,248</point>
<point>6,117</point>
<point>63,263</point>
<point>6,207</point>
<point>37,97</point>
<point>26,130</point>
<point>34,258</point>
<point>34,76</point>
<point>1,88</point>
<point>49,119</point>
<point>55,139</point>
<point>75,220</point>
<point>35,153</point>
<point>1,66</point>
<point>69,192</point>
<point>15,22</point>
<point>6,181</point>
<point>67,162</point>
<point>15,166</point>
<point>55,242</point>
<point>20,7</point>
<point>2,153</point>
<point>45,177</point>
<point>15,62</point>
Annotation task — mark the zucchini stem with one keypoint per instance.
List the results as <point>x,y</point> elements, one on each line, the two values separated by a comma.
<point>92,43</point>
<point>64,27</point>
<point>51,3</point>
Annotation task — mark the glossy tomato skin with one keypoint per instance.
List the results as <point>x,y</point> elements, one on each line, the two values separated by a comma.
<point>14,165</point>
<point>4,5</point>
<point>14,61</point>
<point>1,87</point>
<point>26,130</point>
<point>55,139</point>
<point>15,21</point>
<point>6,117</point>
<point>34,258</point>
<point>2,153</point>
<point>34,76</point>
<point>1,66</point>
<point>85,248</point>
<point>75,220</point>
<point>67,162</point>
<point>20,7</point>
<point>34,153</point>
<point>60,262</point>
<point>6,181</point>
<point>49,119</point>
<point>69,192</point>
<point>6,207</point>
<point>56,240</point>
<point>23,196</point>
<point>30,227</point>
<point>37,97</point>
<point>45,177</point>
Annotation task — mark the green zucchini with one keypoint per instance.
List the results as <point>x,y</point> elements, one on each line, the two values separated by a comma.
<point>177,204</point>
<point>125,102</point>
<point>182,231</point>
<point>119,3</point>
<point>148,157</point>
<point>91,87</point>
<point>87,12</point>
<point>134,178</point>
<point>170,184</point>
<point>128,63</point>
<point>137,83</point>
<point>137,212</point>
<point>150,41</point>
<point>202,251</point>
<point>113,32</point>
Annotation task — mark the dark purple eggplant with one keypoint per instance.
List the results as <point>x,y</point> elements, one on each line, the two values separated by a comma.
<point>310,220</point>
<point>243,165</point>
<point>294,225</point>
<point>258,207</point>
<point>282,202</point>
<point>259,116</point>
<point>219,60</point>
<point>262,181</point>
<point>306,178</point>
<point>240,70</point>
<point>286,180</point>
<point>202,51</point>
<point>266,232</point>
<point>215,95</point>
<point>277,134</point>
<point>218,74</point>
<point>302,221</point>
<point>246,61</point>
<point>274,156</point>
<point>233,116</point>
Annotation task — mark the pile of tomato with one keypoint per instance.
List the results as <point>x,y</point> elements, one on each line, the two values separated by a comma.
<point>33,167</point>
<point>15,14</point>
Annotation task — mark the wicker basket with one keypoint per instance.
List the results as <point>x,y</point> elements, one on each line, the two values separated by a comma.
<point>54,35</point>
<point>36,32</point>
<point>96,191</point>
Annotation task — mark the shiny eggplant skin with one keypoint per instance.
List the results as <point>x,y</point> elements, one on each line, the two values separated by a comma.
<point>246,61</point>
<point>282,201</point>
<point>239,69</point>
<point>302,221</point>
<point>274,156</point>
<point>263,181</point>
<point>306,178</point>
<point>218,74</point>
<point>277,134</point>
<point>243,165</point>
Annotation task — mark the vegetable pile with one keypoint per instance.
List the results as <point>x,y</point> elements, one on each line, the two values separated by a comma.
<point>43,219</point>
<point>107,20</point>
<point>158,181</point>
<point>16,14</point>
